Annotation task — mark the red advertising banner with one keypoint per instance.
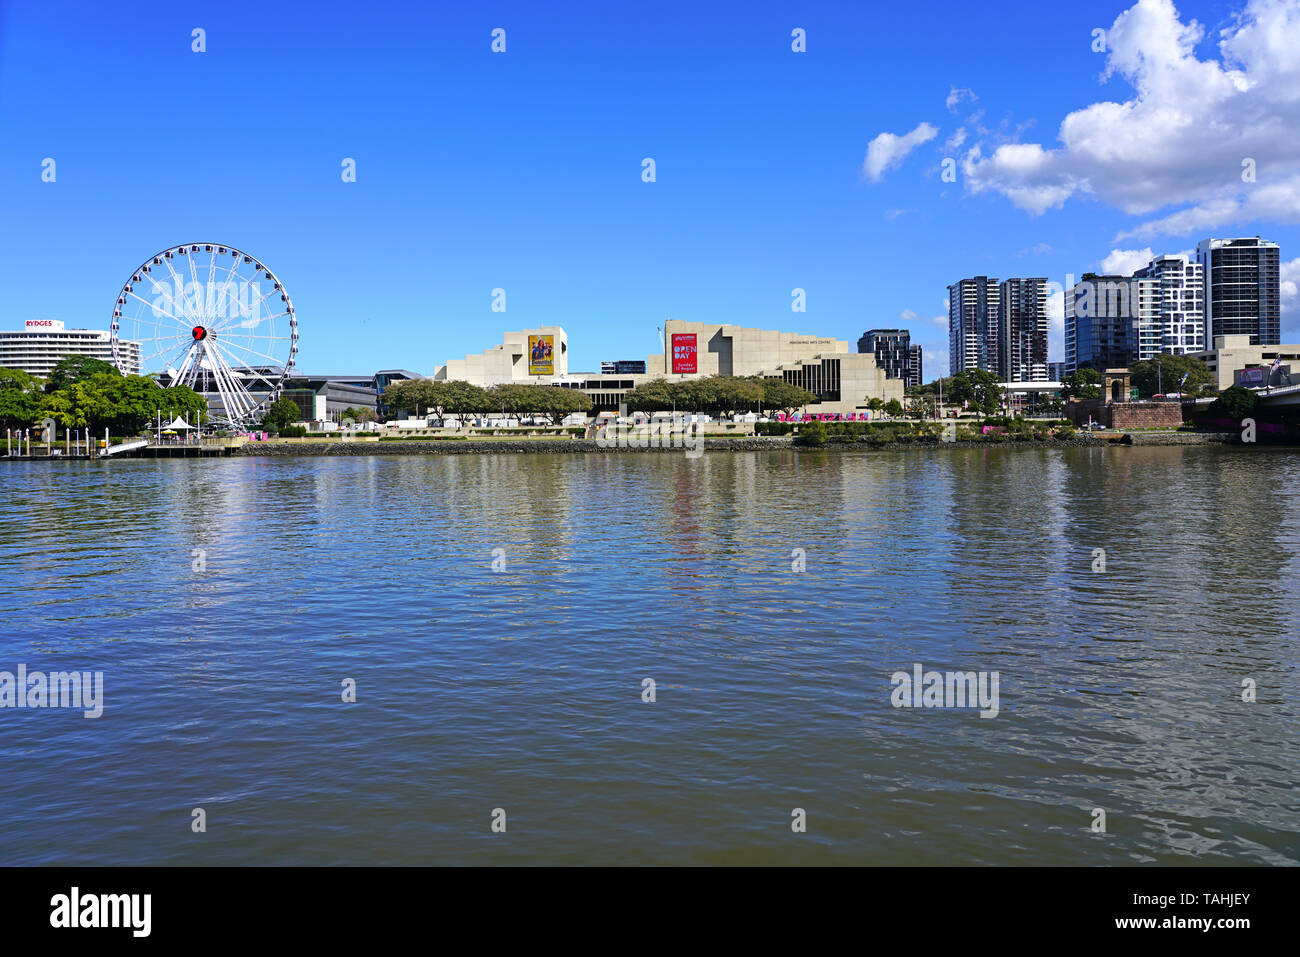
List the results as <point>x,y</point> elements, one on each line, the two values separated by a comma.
<point>684,353</point>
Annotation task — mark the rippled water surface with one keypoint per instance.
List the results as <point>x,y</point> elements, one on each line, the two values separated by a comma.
<point>521,689</point>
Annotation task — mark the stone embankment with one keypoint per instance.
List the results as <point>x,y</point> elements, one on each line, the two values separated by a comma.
<point>745,444</point>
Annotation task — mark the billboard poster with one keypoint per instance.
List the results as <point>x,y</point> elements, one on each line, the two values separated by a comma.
<point>684,354</point>
<point>1252,377</point>
<point>541,355</point>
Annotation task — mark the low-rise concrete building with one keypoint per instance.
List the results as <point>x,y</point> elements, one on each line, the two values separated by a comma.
<point>842,380</point>
<point>1234,354</point>
<point>529,355</point>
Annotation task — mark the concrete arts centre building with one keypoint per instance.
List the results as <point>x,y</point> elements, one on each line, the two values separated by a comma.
<point>842,380</point>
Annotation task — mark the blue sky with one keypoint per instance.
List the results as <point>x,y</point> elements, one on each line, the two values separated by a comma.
<point>522,170</point>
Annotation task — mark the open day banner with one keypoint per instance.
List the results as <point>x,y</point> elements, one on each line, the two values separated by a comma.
<point>684,352</point>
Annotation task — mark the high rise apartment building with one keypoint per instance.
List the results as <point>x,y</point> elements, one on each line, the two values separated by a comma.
<point>1242,289</point>
<point>999,327</point>
<point>1022,337</point>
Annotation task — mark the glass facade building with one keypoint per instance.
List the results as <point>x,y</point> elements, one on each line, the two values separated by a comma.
<point>1103,327</point>
<point>894,353</point>
<point>1242,289</point>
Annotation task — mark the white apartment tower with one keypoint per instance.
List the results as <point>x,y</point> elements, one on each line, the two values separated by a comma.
<point>1150,326</point>
<point>1181,302</point>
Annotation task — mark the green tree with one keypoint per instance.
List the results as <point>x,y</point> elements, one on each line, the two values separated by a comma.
<point>811,433</point>
<point>734,395</point>
<point>717,394</point>
<point>403,396</point>
<point>555,402</point>
<point>283,411</point>
<point>20,399</point>
<point>920,408</point>
<point>978,388</point>
<point>1164,373</point>
<point>509,398</point>
<point>358,413</point>
<point>875,403</point>
<point>72,369</point>
<point>1082,384</point>
<point>545,401</point>
<point>781,396</point>
<point>183,401</point>
<point>123,404</point>
<point>656,395</point>
<point>893,408</point>
<point>1234,402</point>
<point>931,389</point>
<point>441,397</point>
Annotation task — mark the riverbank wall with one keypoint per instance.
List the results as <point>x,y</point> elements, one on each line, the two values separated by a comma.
<point>746,444</point>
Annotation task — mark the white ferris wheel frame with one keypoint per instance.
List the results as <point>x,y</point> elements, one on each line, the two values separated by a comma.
<point>205,344</point>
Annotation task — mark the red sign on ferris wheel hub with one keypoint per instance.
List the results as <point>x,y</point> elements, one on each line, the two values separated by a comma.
<point>684,352</point>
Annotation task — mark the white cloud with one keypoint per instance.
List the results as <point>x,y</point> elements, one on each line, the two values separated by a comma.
<point>1038,249</point>
<point>1179,142</point>
<point>934,364</point>
<point>1125,262</point>
<point>887,151</point>
<point>911,315</point>
<point>953,143</point>
<point>957,95</point>
<point>1289,274</point>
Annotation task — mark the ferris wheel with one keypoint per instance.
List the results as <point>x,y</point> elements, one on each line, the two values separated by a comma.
<point>213,318</point>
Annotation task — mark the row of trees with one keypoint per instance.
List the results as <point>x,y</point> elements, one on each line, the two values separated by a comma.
<point>982,391</point>
<point>719,394</point>
<point>1169,373</point>
<point>892,407</point>
<point>83,392</point>
<point>444,398</point>
<point>722,395</point>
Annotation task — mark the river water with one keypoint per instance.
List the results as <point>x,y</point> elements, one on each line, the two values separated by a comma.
<point>499,616</point>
